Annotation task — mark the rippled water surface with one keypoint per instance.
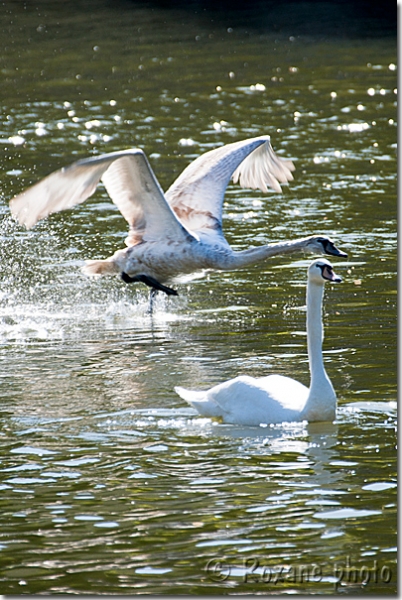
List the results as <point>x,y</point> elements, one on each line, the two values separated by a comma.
<point>109,482</point>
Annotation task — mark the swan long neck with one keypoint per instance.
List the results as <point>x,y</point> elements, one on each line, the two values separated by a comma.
<point>315,333</point>
<point>321,398</point>
<point>251,256</point>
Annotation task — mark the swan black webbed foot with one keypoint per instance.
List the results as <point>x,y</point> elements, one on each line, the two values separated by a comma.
<point>150,282</point>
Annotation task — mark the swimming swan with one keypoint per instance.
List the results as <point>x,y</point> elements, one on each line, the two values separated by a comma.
<point>176,233</point>
<point>274,399</point>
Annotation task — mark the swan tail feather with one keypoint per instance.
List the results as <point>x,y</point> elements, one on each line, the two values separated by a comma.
<point>100,267</point>
<point>200,401</point>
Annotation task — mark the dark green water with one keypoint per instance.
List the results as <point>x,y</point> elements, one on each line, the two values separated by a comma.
<point>109,482</point>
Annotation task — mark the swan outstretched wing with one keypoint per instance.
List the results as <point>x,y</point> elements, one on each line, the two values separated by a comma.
<point>129,181</point>
<point>133,187</point>
<point>197,194</point>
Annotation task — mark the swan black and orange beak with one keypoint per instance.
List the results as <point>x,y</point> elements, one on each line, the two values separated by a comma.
<point>329,274</point>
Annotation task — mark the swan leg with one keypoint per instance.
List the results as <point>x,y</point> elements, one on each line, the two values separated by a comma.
<point>149,281</point>
<point>152,295</point>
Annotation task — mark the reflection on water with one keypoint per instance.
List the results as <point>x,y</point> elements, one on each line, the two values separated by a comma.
<point>110,483</point>
<point>165,485</point>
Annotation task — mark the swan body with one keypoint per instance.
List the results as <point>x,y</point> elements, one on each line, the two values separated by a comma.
<point>275,399</point>
<point>177,233</point>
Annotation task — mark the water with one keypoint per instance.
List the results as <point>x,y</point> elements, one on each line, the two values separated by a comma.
<point>110,483</point>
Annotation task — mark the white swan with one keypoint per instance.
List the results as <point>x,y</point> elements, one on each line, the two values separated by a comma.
<point>274,399</point>
<point>176,233</point>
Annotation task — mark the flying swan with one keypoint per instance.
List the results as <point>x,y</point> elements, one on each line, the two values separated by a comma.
<point>176,233</point>
<point>253,401</point>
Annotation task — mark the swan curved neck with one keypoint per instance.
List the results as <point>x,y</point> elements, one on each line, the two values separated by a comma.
<point>321,399</point>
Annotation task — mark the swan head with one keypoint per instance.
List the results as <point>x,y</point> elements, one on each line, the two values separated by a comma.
<point>321,244</point>
<point>321,271</point>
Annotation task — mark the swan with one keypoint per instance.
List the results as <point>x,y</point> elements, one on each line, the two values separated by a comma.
<point>253,401</point>
<point>177,233</point>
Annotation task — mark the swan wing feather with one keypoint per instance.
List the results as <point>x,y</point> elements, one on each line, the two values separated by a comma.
<point>133,187</point>
<point>197,194</point>
<point>263,169</point>
<point>251,401</point>
<point>129,181</point>
<point>58,191</point>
